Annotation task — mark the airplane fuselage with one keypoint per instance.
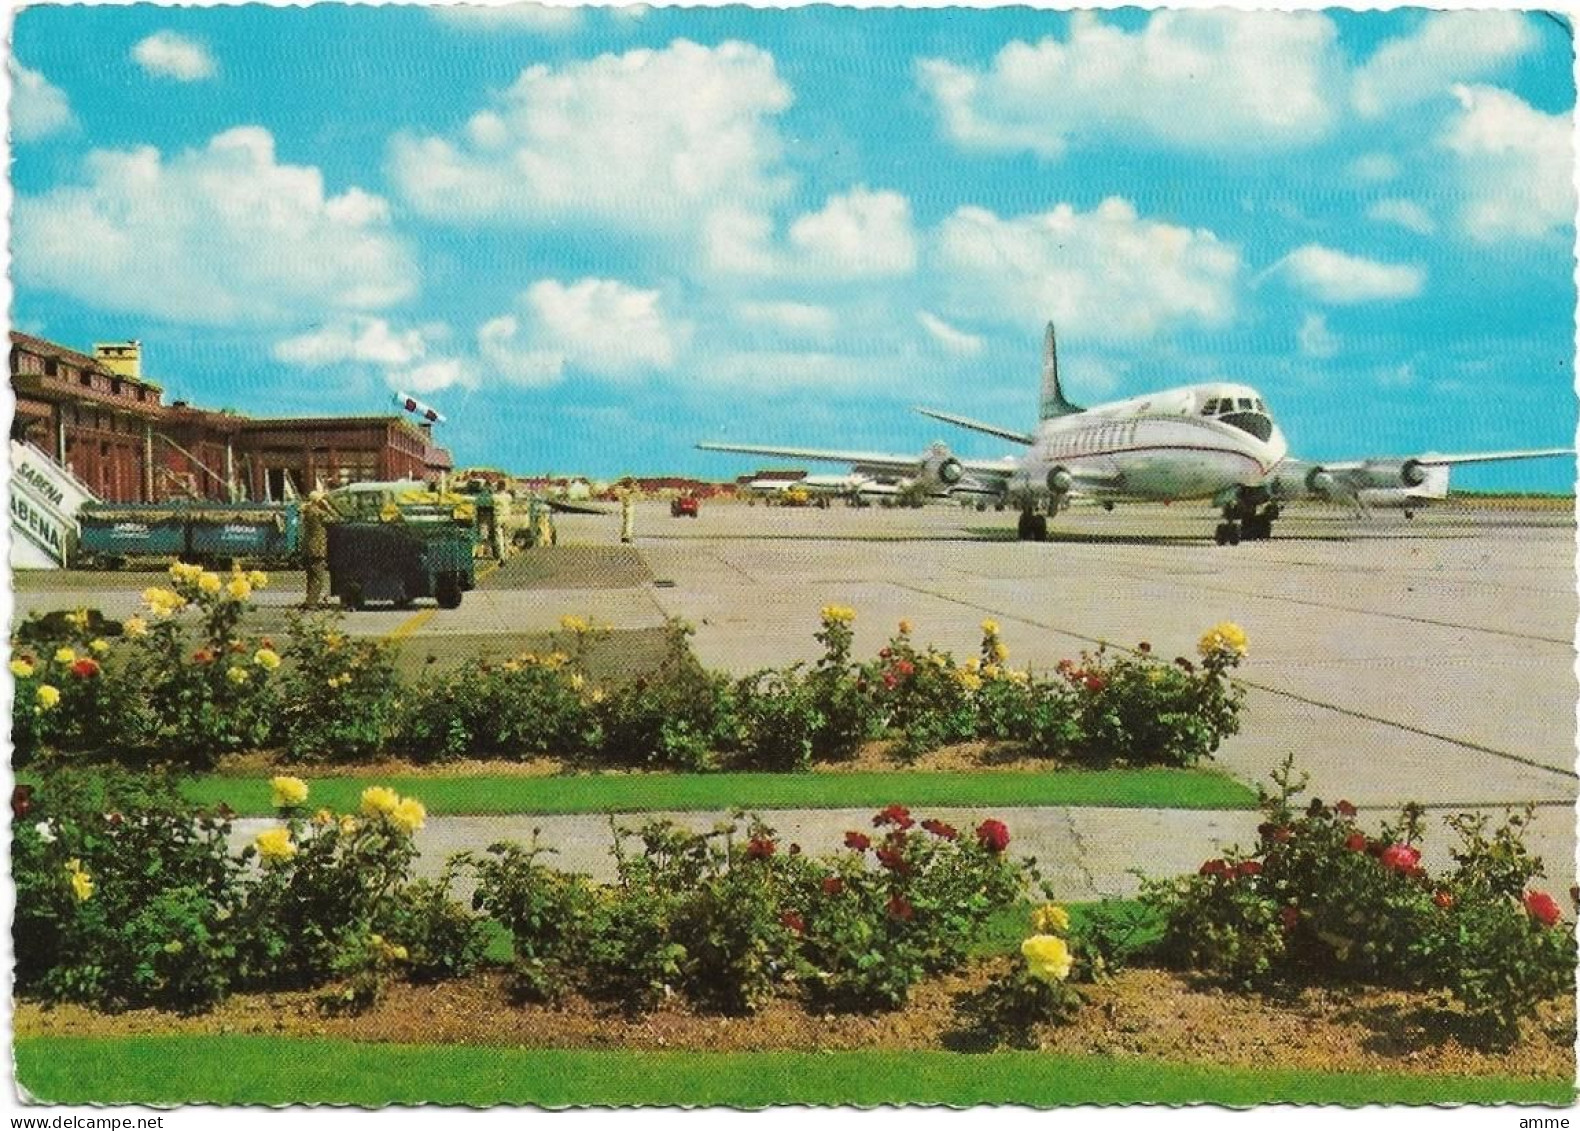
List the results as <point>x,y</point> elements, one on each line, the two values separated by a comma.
<point>1186,443</point>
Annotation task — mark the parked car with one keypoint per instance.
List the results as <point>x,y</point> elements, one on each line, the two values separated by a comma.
<point>685,506</point>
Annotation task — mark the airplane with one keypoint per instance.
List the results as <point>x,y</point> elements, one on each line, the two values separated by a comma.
<point>1216,440</point>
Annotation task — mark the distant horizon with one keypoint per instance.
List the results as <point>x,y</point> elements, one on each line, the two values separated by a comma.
<point>594,237</point>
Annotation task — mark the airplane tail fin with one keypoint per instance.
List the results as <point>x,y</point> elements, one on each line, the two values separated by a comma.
<point>1053,403</point>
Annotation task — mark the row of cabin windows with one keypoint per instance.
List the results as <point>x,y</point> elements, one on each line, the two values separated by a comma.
<point>1230,404</point>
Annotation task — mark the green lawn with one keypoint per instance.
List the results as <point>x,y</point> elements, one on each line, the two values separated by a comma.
<point>1142,788</point>
<point>235,1070</point>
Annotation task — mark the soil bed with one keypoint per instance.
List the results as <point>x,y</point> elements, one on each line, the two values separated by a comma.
<point>1142,1013</point>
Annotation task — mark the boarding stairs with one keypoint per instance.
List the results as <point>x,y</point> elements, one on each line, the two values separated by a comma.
<point>45,501</point>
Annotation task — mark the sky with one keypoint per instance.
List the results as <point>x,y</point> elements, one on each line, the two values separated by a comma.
<point>592,237</point>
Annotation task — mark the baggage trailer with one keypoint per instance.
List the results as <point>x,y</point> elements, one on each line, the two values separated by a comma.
<point>114,535</point>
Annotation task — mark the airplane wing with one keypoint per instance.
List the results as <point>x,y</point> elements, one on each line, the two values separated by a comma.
<point>978,426</point>
<point>564,506</point>
<point>935,467</point>
<point>1424,476</point>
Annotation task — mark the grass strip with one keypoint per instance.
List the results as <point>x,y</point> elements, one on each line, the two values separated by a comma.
<point>638,793</point>
<point>234,1070</point>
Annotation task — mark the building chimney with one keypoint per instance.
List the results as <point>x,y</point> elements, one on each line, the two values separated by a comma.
<point>124,359</point>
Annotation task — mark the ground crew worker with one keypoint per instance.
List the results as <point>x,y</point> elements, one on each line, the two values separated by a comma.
<point>316,516</point>
<point>627,518</point>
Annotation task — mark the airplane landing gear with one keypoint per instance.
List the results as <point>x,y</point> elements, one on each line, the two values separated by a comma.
<point>1033,527</point>
<point>1245,520</point>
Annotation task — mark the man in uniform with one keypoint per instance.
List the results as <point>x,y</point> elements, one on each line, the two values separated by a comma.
<point>316,516</point>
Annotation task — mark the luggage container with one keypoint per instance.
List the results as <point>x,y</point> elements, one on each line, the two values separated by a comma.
<point>260,533</point>
<point>112,535</point>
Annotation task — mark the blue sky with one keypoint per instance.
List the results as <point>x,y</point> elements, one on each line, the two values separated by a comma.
<point>592,237</point>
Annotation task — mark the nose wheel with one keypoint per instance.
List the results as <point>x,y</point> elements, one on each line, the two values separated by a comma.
<point>1227,534</point>
<point>1245,522</point>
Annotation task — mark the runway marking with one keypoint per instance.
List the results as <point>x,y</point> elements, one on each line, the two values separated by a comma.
<point>1350,712</point>
<point>412,623</point>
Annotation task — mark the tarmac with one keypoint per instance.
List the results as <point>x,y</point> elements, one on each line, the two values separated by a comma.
<point>1428,661</point>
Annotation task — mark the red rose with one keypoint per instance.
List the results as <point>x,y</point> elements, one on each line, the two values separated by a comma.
<point>1443,899</point>
<point>1249,868</point>
<point>759,848</point>
<point>859,841</point>
<point>85,668</point>
<point>905,668</point>
<point>993,835</point>
<point>939,829</point>
<point>1290,918</point>
<point>1143,647</point>
<point>897,815</point>
<point>1095,683</point>
<point>21,801</point>
<point>1213,868</point>
<point>1344,809</point>
<point>1278,834</point>
<point>1355,842</point>
<point>894,861</point>
<point>203,655</point>
<point>1401,858</point>
<point>900,908</point>
<point>794,922</point>
<point>833,885</point>
<point>1542,907</point>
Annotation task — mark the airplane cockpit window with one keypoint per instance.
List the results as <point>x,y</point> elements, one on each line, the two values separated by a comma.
<point>1246,405</point>
<point>1210,408</point>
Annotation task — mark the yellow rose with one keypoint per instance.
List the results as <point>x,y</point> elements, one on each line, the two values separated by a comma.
<point>287,791</point>
<point>275,844</point>
<point>378,800</point>
<point>65,656</point>
<point>266,658</point>
<point>99,647</point>
<point>135,627</point>
<point>1225,637</point>
<point>258,579</point>
<point>209,583</point>
<point>21,669</point>
<point>348,825</point>
<point>238,588</point>
<point>238,676</point>
<point>990,628</point>
<point>324,817</point>
<point>78,619</point>
<point>1000,652</point>
<point>409,815</point>
<point>1050,919</point>
<point>1048,958</point>
<point>574,624</point>
<point>48,697</point>
<point>81,882</point>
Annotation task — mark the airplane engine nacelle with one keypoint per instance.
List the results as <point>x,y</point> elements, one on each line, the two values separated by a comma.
<point>1060,480</point>
<point>941,467</point>
<point>1320,482</point>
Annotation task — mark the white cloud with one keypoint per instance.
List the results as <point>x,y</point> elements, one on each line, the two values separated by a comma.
<point>803,319</point>
<point>954,340</point>
<point>223,234</point>
<point>1516,166</point>
<point>1374,168</point>
<point>1107,274</point>
<point>1315,339</point>
<point>1446,47</point>
<point>858,234</point>
<point>355,339</point>
<point>652,140</point>
<point>167,55</point>
<point>543,18</point>
<point>1405,213</point>
<point>432,376</point>
<point>38,107</point>
<point>600,326</point>
<point>1335,277</point>
<point>1200,80</point>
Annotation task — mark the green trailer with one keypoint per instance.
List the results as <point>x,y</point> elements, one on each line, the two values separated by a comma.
<point>398,543</point>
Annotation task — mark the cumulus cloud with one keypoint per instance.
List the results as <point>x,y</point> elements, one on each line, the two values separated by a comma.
<point>355,339</point>
<point>38,107</point>
<point>1315,339</point>
<point>1199,80</point>
<point>167,55</point>
<point>859,233</point>
<point>954,340</point>
<point>1108,274</point>
<point>652,140</point>
<point>1405,213</point>
<point>222,234</point>
<point>600,326</point>
<point>1335,277</point>
<point>1515,164</point>
<point>1445,48</point>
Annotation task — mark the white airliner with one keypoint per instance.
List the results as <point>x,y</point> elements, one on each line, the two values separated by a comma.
<point>1213,441</point>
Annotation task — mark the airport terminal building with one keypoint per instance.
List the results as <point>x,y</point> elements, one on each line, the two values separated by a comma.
<point>96,416</point>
